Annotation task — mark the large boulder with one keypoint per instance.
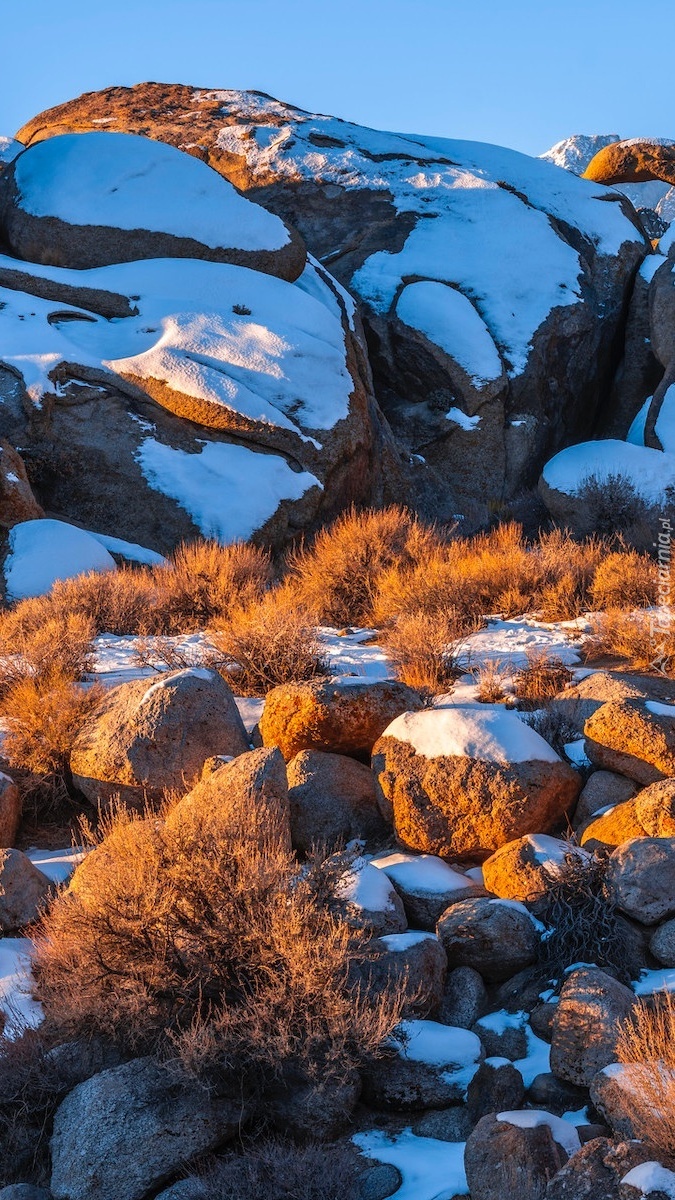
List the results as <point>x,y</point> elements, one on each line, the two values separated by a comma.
<point>332,799</point>
<point>655,808</point>
<point>586,1024</point>
<point>635,738</point>
<point>616,1093</point>
<point>465,998</point>
<point>24,890</point>
<point>636,160</point>
<point>145,738</point>
<point>428,1066</point>
<point>17,502</point>
<point>462,781</point>
<point>212,377</point>
<point>466,386</point>
<point>255,780</point>
<point>641,878</point>
<point>427,885</point>
<point>366,899</point>
<point>126,1131</point>
<point>516,1154</point>
<point>497,938</point>
<point>607,830</point>
<point>412,963</point>
<point>88,200</point>
<point>332,715</point>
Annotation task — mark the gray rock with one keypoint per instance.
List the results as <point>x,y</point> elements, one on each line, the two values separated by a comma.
<point>614,1091</point>
<point>602,789</point>
<point>496,1087</point>
<point>494,937</point>
<point>24,891</point>
<point>465,998</point>
<point>503,1159</point>
<point>445,1124</point>
<point>555,1095</point>
<point>641,878</point>
<point>596,1170</point>
<point>147,738</point>
<point>586,1024</point>
<point>379,1182</point>
<point>126,1131</point>
<point>414,962</point>
<point>662,943</point>
<point>332,799</point>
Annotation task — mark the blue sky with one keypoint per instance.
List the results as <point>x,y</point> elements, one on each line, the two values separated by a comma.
<point>522,73</point>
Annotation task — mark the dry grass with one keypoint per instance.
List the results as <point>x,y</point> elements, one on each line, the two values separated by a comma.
<point>647,1046</point>
<point>423,648</point>
<point>57,648</point>
<point>269,641</point>
<point>624,580</point>
<point>201,938</point>
<point>42,720</point>
<point>491,678</point>
<point>645,640</point>
<point>542,678</point>
<point>338,576</point>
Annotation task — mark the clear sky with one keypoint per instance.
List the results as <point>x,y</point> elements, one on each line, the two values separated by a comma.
<point>522,73</point>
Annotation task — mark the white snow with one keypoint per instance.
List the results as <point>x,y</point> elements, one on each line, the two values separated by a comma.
<point>57,865</point>
<point>9,148</point>
<point>460,418</point>
<point>448,318</point>
<point>424,874</point>
<point>537,1060</point>
<point>43,551</point>
<point>21,1011</point>
<point>500,250</point>
<point>552,852</point>
<point>355,656</point>
<point>662,979</point>
<point>366,888</point>
<point>651,1177</point>
<point>456,1052</point>
<point>510,643</point>
<point>229,490</point>
<point>132,182</point>
<point>650,471</point>
<point>576,753</point>
<point>563,1132</point>
<point>660,710</point>
<point>636,433</point>
<point>282,363</point>
<point>398,942</point>
<point>431,1169</point>
<point>487,733</point>
<point>664,427</point>
<point>130,550</point>
<point>575,153</point>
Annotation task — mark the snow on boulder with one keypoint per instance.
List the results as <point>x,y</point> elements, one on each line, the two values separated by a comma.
<point>497,938</point>
<point>221,401</point>
<point>633,737</point>
<point>525,868</point>
<point>145,739</point>
<point>527,1148</point>
<point>461,781</point>
<point>367,900</point>
<point>426,885</point>
<point>430,1066</point>
<point>42,551</point>
<point>522,266</point>
<point>649,472</point>
<point>91,199</point>
<point>413,964</point>
<point>650,1179</point>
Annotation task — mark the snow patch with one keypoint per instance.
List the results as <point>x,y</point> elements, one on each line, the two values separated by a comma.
<point>563,1132</point>
<point>488,733</point>
<point>42,551</point>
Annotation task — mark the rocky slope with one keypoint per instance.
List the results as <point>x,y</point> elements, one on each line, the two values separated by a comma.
<point>493,287</point>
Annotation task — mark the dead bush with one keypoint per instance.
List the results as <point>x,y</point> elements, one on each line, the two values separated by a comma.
<point>269,1167</point>
<point>543,677</point>
<point>42,719</point>
<point>581,920</point>
<point>610,505</point>
<point>204,580</point>
<point>647,1047</point>
<point>491,679</point>
<point>624,580</point>
<point>58,647</point>
<point>338,575</point>
<point>31,1088</point>
<point>645,640</point>
<point>269,641</point>
<point>201,938</point>
<point>424,646</point>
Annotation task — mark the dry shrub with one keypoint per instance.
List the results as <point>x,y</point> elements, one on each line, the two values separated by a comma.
<point>567,570</point>
<point>269,641</point>
<point>645,640</point>
<point>647,1047</point>
<point>543,677</point>
<point>58,647</point>
<point>338,575</point>
<point>268,1167</point>
<point>203,581</point>
<point>625,580</point>
<point>611,505</point>
<point>201,938</point>
<point>42,719</point>
<point>581,919</point>
<point>423,648</point>
<point>30,1091</point>
<point>491,679</point>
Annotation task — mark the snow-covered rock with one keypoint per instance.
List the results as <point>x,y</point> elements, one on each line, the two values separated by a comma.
<point>460,781</point>
<point>43,551</point>
<point>466,308</point>
<point>91,199</point>
<point>430,1066</point>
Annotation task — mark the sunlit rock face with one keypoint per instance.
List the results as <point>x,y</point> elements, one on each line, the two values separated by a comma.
<point>171,362</point>
<point>493,285</point>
